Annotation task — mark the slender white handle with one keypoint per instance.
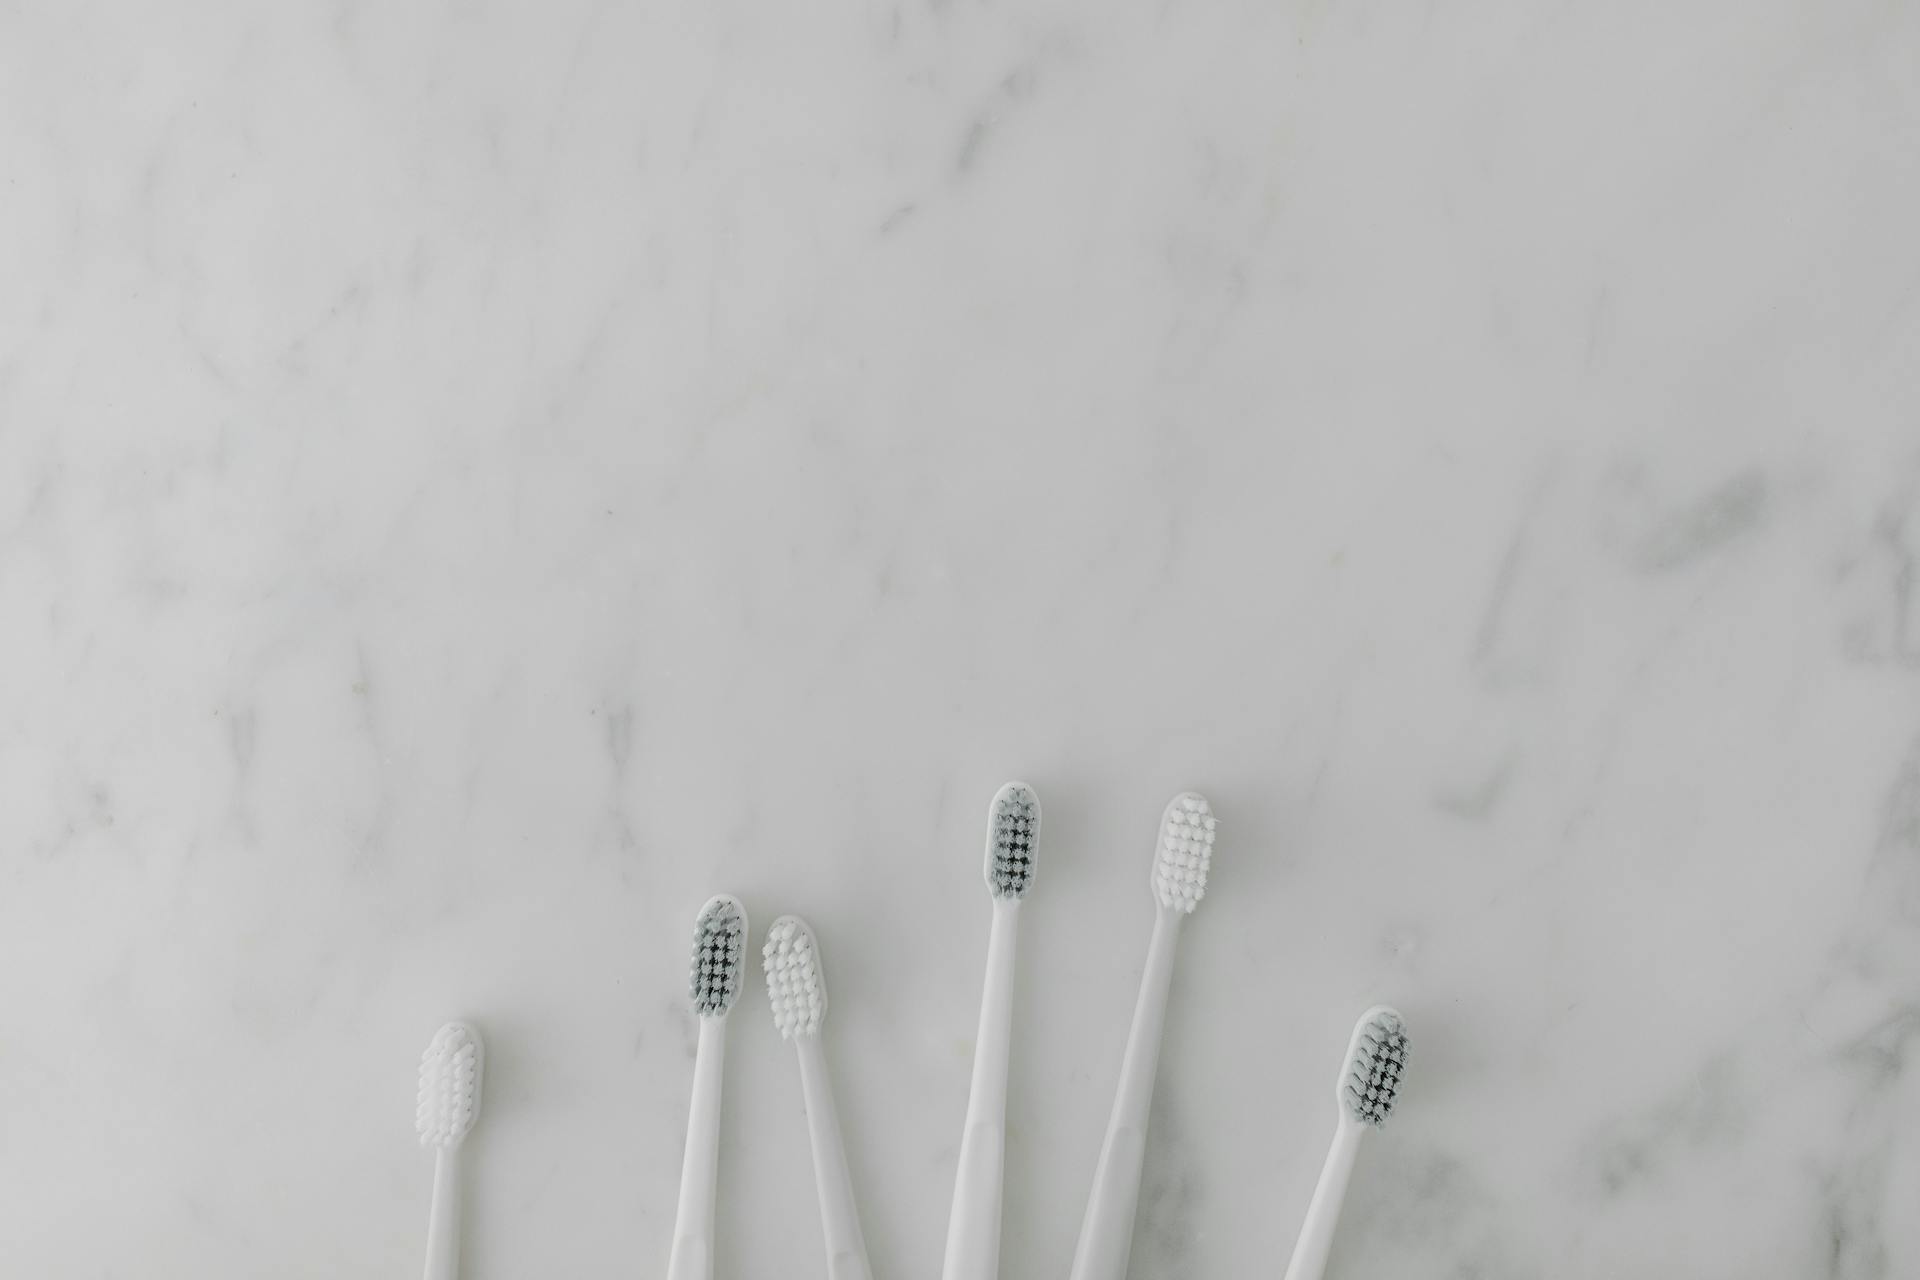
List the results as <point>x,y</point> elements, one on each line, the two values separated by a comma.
<point>973,1228</point>
<point>1106,1236</point>
<point>846,1250</point>
<point>1316,1233</point>
<point>443,1223</point>
<point>692,1257</point>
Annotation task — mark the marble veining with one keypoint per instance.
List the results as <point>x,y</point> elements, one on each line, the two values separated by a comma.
<point>477,479</point>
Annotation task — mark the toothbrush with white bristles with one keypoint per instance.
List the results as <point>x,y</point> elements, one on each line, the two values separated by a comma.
<point>1369,1082</point>
<point>973,1229</point>
<point>1180,867</point>
<point>719,937</point>
<point>797,989</point>
<point>449,1103</point>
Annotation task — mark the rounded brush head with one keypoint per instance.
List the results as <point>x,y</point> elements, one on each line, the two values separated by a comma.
<point>719,941</point>
<point>1013,837</point>
<point>796,987</point>
<point>1375,1060</point>
<point>1185,851</point>
<point>449,1086</point>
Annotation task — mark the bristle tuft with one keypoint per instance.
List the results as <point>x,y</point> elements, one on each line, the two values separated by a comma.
<point>719,942</point>
<point>796,986</point>
<point>1374,1067</point>
<point>449,1086</point>
<point>1186,851</point>
<point>1013,840</point>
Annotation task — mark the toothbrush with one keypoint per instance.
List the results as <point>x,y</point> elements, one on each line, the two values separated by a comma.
<point>1179,881</point>
<point>719,934</point>
<point>1369,1081</point>
<point>973,1230</point>
<point>449,1102</point>
<point>798,991</point>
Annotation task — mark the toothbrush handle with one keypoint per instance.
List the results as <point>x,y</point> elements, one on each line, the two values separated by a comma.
<point>692,1256</point>
<point>443,1223</point>
<point>1316,1233</point>
<point>973,1228</point>
<point>1106,1236</point>
<point>846,1250</point>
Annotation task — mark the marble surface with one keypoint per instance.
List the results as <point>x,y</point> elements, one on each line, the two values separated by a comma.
<point>477,478</point>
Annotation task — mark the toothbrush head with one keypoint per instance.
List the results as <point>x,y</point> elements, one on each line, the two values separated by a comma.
<point>1375,1060</point>
<point>796,987</point>
<point>719,938</point>
<point>449,1087</point>
<point>1013,838</point>
<point>1185,851</point>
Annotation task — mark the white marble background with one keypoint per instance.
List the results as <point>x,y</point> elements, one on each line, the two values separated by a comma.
<point>476,478</point>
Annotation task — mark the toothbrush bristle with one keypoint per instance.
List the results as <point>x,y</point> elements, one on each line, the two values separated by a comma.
<point>1013,840</point>
<point>449,1086</point>
<point>1375,1062</point>
<point>719,939</point>
<point>1185,852</point>
<point>796,987</point>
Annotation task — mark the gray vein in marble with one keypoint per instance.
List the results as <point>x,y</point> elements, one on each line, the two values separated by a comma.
<point>1013,90</point>
<point>1426,1204</point>
<point>1696,529</point>
<point>1172,1190</point>
<point>1891,563</point>
<point>1710,1107</point>
<point>618,722</point>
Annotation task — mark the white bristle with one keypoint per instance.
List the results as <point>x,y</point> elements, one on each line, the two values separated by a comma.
<point>1013,840</point>
<point>1185,851</point>
<point>796,987</point>
<point>1376,1058</point>
<point>719,941</point>
<point>449,1086</point>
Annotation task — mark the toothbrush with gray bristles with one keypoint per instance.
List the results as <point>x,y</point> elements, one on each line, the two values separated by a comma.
<point>1180,863</point>
<point>973,1229</point>
<point>719,938</point>
<point>1365,1092</point>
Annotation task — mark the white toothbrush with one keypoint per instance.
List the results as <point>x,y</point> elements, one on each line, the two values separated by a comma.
<point>1369,1081</point>
<point>719,936</point>
<point>973,1229</point>
<point>1179,881</point>
<point>798,991</point>
<point>449,1102</point>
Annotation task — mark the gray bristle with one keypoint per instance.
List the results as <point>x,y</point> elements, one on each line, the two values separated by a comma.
<point>1013,841</point>
<point>719,939</point>
<point>1373,1075</point>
